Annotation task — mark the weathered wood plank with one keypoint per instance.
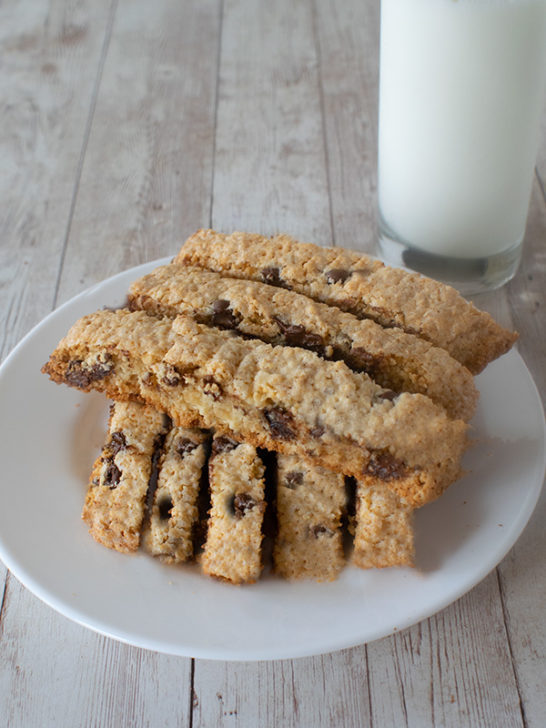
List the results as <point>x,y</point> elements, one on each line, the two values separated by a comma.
<point>50,56</point>
<point>451,670</point>
<point>319,691</point>
<point>147,174</point>
<point>55,673</point>
<point>158,53</point>
<point>269,172</point>
<point>521,304</point>
<point>348,42</point>
<point>522,575</point>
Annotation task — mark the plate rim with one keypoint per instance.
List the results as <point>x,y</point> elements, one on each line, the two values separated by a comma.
<point>99,626</point>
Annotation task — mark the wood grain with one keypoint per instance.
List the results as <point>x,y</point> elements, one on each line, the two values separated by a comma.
<point>451,670</point>
<point>318,692</point>
<point>125,126</point>
<point>147,176</point>
<point>522,573</point>
<point>348,43</point>
<point>269,169</point>
<point>50,59</point>
<point>56,673</point>
<point>50,55</point>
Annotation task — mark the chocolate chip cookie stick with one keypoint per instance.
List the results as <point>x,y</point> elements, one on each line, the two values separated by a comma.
<point>174,511</point>
<point>234,535</point>
<point>279,398</point>
<point>359,284</point>
<point>383,528</point>
<point>116,500</point>
<point>396,360</point>
<point>310,503</point>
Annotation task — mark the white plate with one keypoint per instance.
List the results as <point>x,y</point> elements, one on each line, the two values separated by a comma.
<point>50,435</point>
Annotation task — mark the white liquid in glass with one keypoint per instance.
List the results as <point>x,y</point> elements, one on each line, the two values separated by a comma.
<point>461,89</point>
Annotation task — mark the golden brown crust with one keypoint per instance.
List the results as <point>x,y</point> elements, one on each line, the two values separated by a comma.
<point>310,503</point>
<point>115,503</point>
<point>283,399</point>
<point>359,284</point>
<point>395,360</point>
<point>233,547</point>
<point>174,512</point>
<point>383,528</point>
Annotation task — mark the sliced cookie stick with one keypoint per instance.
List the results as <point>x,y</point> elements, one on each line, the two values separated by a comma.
<point>116,500</point>
<point>174,512</point>
<point>279,398</point>
<point>234,535</point>
<point>310,503</point>
<point>359,284</point>
<point>383,528</point>
<point>396,360</point>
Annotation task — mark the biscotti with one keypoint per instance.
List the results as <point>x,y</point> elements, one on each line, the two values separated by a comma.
<point>395,360</point>
<point>283,399</point>
<point>174,513</point>
<point>234,535</point>
<point>359,284</point>
<point>310,504</point>
<point>383,528</point>
<point>116,499</point>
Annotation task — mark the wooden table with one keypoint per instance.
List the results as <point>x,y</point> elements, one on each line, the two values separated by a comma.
<point>125,125</point>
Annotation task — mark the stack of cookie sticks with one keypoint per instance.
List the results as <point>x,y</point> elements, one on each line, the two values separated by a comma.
<point>343,367</point>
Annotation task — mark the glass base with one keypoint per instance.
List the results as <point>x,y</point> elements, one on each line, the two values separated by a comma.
<point>467,275</point>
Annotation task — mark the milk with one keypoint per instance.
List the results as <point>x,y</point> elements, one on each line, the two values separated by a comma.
<point>461,85</point>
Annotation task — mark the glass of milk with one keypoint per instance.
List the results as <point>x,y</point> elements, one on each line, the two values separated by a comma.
<point>460,106</point>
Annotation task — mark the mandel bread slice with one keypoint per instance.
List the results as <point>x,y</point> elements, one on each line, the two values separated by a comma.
<point>233,548</point>
<point>174,511</point>
<point>115,505</point>
<point>359,284</point>
<point>395,360</point>
<point>279,398</point>
<point>310,505</point>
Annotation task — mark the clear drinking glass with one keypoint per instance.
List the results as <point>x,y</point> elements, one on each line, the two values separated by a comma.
<point>460,105</point>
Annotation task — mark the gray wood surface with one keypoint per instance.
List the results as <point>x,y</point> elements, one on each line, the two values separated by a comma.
<point>124,126</point>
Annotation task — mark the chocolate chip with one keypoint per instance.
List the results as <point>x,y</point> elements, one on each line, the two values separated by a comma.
<point>317,431</point>
<point>171,376</point>
<point>280,423</point>
<point>117,442</point>
<point>212,388</point>
<point>165,506</point>
<point>320,529</point>
<point>293,479</point>
<point>272,276</point>
<point>382,315</point>
<point>384,466</point>
<point>112,474</point>
<point>159,441</point>
<point>184,445</point>
<point>337,275</point>
<point>80,374</point>
<point>242,503</point>
<point>296,335</point>
<point>223,316</point>
<point>223,444</point>
<point>363,361</point>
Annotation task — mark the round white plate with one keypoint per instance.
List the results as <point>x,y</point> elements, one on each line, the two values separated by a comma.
<point>50,435</point>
